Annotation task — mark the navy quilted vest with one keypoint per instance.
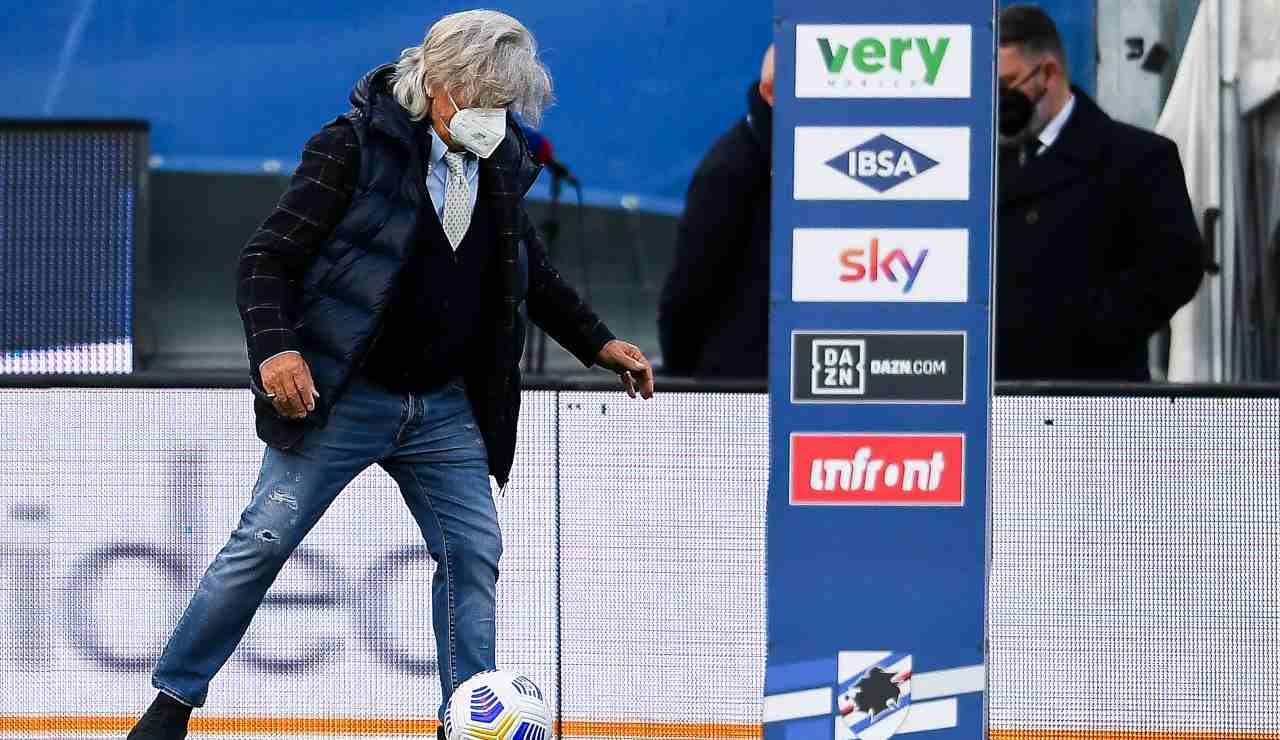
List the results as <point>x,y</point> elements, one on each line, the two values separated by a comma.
<point>347,288</point>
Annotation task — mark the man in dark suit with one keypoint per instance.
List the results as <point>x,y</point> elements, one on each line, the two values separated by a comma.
<point>713,320</point>
<point>383,303</point>
<point>1097,243</point>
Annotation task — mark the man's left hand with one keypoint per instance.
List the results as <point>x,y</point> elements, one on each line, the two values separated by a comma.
<point>630,364</point>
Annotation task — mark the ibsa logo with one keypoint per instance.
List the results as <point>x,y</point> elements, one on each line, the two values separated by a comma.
<point>877,469</point>
<point>895,163</point>
<point>883,61</point>
<point>880,265</point>
<point>881,163</point>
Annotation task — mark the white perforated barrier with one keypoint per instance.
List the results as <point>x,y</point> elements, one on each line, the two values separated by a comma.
<point>1135,580</point>
<point>116,501</point>
<point>1136,572</point>
<point>113,502</point>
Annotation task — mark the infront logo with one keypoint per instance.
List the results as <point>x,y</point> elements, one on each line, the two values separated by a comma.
<point>883,61</point>
<point>877,469</point>
<point>880,265</point>
<point>861,473</point>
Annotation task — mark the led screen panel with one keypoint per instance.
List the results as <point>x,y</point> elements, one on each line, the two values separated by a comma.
<point>69,224</point>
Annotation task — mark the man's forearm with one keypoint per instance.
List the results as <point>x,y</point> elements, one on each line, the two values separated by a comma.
<point>573,325</point>
<point>263,296</point>
<point>558,309</point>
<point>279,251</point>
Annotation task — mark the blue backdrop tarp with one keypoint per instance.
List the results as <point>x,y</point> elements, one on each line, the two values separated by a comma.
<point>644,88</point>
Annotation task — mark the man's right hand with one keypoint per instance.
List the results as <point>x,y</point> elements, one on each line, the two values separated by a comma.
<point>287,379</point>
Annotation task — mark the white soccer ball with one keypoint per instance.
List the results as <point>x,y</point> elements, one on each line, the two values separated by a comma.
<point>497,705</point>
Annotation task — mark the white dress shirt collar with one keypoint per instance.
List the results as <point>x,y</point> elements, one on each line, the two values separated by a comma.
<point>1054,129</point>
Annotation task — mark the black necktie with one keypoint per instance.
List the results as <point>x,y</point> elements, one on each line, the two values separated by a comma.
<point>1029,151</point>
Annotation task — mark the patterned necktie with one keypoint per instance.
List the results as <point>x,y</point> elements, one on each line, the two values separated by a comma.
<point>457,201</point>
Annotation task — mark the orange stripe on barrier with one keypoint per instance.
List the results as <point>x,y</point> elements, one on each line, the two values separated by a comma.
<point>355,726</point>
<point>674,730</point>
<point>227,725</point>
<point>27,723</point>
<point>314,725</point>
<point>1128,735</point>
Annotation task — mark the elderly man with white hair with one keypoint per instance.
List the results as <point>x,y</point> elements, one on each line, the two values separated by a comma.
<point>383,303</point>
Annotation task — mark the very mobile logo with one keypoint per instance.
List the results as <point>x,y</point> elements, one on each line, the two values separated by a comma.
<point>883,61</point>
<point>892,163</point>
<point>877,469</point>
<point>880,265</point>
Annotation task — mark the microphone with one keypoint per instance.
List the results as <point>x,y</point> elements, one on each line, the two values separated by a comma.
<point>544,154</point>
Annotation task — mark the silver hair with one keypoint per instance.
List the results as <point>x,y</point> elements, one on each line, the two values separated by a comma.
<point>485,58</point>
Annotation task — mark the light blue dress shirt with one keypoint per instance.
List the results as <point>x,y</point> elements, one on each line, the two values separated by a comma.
<point>438,174</point>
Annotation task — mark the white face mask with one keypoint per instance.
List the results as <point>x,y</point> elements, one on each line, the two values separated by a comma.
<point>479,130</point>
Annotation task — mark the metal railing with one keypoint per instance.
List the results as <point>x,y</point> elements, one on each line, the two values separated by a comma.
<point>604,381</point>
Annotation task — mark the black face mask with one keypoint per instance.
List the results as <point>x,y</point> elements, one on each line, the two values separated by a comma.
<point>1014,112</point>
<point>1016,107</point>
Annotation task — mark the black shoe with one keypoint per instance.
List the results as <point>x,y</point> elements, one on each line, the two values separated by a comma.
<point>440,733</point>
<point>165,719</point>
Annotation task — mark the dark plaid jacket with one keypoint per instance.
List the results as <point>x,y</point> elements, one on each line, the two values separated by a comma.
<point>318,274</point>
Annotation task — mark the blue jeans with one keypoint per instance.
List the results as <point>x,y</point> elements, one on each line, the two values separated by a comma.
<point>432,448</point>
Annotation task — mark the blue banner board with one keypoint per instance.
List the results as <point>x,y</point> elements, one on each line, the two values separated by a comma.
<point>880,369</point>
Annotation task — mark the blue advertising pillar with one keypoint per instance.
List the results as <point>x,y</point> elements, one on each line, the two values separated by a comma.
<point>880,369</point>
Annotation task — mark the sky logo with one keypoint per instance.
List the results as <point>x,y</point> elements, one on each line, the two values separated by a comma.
<point>880,265</point>
<point>870,264</point>
<point>881,163</point>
